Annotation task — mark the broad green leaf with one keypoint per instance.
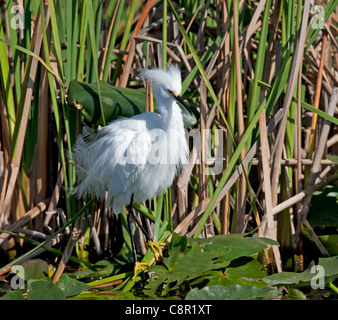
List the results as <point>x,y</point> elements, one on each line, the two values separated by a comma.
<point>13,295</point>
<point>184,267</point>
<point>116,102</point>
<point>44,289</point>
<point>191,258</point>
<point>234,246</point>
<point>244,271</point>
<point>234,292</point>
<point>35,269</point>
<point>183,264</point>
<point>71,287</point>
<point>294,279</point>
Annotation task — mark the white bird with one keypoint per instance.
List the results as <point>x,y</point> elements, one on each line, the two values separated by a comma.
<point>136,158</point>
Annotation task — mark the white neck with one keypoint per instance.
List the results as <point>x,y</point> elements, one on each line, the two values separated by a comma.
<point>172,117</point>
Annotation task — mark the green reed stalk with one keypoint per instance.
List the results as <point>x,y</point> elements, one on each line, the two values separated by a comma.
<point>125,39</point>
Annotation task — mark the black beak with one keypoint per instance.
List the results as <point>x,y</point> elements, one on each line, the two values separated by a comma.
<point>180,100</point>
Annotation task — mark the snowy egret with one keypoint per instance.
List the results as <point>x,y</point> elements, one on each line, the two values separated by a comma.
<point>136,158</point>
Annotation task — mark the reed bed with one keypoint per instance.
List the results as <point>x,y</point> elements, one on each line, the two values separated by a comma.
<point>262,76</point>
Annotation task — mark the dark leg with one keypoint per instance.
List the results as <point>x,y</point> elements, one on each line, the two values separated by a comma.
<point>129,218</point>
<point>155,246</point>
<point>139,266</point>
<point>141,227</point>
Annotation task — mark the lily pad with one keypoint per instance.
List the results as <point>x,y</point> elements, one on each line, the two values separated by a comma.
<point>13,295</point>
<point>44,289</point>
<point>35,269</point>
<point>234,246</point>
<point>182,267</point>
<point>329,271</point>
<point>71,287</point>
<point>234,292</point>
<point>244,271</point>
<point>191,258</point>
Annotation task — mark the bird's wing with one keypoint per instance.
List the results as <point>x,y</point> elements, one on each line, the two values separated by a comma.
<point>127,147</point>
<point>114,157</point>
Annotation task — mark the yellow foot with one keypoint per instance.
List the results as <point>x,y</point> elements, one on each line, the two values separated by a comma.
<point>139,266</point>
<point>156,249</point>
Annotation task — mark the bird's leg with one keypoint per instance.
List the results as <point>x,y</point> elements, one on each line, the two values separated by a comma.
<point>129,217</point>
<point>138,265</point>
<point>155,246</point>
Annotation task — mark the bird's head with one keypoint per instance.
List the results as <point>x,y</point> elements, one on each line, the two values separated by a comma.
<point>166,84</point>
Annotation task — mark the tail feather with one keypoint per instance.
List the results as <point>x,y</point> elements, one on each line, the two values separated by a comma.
<point>89,183</point>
